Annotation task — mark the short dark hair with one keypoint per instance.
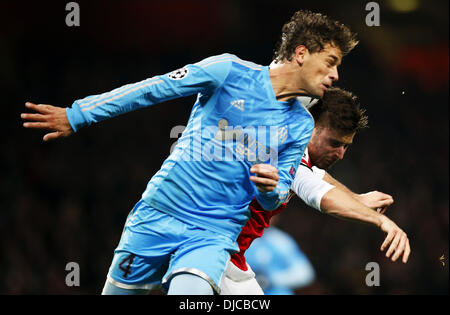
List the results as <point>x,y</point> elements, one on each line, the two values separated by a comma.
<point>339,110</point>
<point>314,31</point>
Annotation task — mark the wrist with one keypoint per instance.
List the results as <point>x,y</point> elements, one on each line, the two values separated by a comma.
<point>75,117</point>
<point>358,197</point>
<point>381,219</point>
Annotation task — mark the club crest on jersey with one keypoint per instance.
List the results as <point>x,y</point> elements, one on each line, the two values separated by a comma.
<point>178,74</point>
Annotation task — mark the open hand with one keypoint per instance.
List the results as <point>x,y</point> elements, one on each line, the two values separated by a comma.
<point>398,240</point>
<point>48,117</point>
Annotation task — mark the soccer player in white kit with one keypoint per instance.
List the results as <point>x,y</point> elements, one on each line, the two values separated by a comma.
<point>338,117</point>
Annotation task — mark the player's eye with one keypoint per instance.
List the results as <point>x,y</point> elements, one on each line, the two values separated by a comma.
<point>331,62</point>
<point>337,144</point>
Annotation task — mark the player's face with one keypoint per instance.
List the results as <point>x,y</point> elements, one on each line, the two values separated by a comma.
<point>319,70</point>
<point>328,146</point>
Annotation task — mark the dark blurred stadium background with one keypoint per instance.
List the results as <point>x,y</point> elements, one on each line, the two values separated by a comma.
<point>67,201</point>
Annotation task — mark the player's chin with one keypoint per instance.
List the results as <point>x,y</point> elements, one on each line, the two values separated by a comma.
<point>319,92</point>
<point>326,164</point>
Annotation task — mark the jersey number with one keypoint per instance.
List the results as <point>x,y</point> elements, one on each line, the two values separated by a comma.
<point>128,261</point>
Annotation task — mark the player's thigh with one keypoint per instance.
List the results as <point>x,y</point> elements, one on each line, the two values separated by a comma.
<point>144,251</point>
<point>131,271</point>
<point>206,256</point>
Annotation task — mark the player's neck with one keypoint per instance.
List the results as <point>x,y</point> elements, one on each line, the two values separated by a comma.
<point>283,77</point>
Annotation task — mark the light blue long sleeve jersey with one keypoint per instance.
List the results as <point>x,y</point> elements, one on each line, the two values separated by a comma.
<point>236,122</point>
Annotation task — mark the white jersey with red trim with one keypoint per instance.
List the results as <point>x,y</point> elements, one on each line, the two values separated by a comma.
<point>308,183</point>
<point>306,161</point>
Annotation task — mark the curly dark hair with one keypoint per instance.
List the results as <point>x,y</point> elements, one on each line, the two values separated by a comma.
<point>314,30</point>
<point>339,110</point>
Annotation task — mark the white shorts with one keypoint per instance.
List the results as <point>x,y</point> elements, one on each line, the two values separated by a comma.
<point>240,282</point>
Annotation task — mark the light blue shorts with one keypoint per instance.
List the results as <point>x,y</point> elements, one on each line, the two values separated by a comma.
<point>156,246</point>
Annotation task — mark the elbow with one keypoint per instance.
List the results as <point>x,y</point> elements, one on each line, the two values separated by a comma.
<point>327,203</point>
<point>323,204</point>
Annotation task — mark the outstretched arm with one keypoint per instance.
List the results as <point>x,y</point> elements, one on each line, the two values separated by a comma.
<point>203,77</point>
<point>341,204</point>
<point>321,195</point>
<point>47,117</point>
<point>374,199</point>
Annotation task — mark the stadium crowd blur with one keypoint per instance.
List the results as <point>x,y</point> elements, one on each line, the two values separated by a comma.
<point>67,201</point>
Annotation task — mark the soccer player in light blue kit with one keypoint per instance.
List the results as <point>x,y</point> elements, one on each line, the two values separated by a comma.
<point>278,262</point>
<point>244,138</point>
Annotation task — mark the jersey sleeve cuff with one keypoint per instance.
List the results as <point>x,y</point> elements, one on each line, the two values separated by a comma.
<point>75,117</point>
<point>319,172</point>
<point>320,193</point>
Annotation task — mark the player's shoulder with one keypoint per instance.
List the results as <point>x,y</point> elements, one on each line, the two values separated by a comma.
<point>228,59</point>
<point>302,123</point>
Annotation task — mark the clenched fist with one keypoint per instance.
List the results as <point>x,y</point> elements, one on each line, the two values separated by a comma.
<point>266,178</point>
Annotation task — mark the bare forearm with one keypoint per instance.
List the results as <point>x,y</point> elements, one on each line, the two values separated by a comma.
<point>341,204</point>
<point>374,199</point>
<point>329,179</point>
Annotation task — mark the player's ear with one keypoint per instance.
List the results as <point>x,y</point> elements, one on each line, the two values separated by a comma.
<point>300,53</point>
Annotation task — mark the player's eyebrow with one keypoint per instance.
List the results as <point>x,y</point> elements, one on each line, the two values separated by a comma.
<point>340,142</point>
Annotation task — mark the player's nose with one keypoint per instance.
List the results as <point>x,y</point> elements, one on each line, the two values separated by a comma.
<point>334,74</point>
<point>340,152</point>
